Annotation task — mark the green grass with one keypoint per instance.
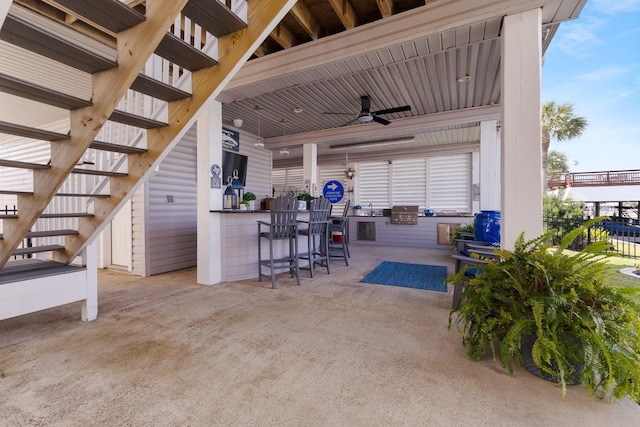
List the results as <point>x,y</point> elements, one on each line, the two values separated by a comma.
<point>615,278</point>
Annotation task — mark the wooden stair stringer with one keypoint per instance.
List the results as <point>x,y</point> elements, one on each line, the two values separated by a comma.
<point>135,46</point>
<point>234,50</point>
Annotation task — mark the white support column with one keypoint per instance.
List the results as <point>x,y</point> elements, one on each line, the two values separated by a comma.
<point>4,9</point>
<point>310,168</point>
<point>209,134</point>
<point>490,166</point>
<point>521,135</point>
<point>90,261</point>
<point>475,181</point>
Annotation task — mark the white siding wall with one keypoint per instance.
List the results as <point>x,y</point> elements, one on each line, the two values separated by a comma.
<point>171,230</point>
<point>165,233</point>
<point>138,230</point>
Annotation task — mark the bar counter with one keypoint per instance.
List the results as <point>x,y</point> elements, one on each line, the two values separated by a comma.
<point>239,243</point>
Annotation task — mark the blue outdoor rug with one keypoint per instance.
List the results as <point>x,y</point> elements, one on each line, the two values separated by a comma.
<point>419,276</point>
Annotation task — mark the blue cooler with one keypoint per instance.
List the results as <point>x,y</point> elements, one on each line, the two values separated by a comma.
<point>486,226</point>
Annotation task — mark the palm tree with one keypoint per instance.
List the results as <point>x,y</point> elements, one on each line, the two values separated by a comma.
<point>558,122</point>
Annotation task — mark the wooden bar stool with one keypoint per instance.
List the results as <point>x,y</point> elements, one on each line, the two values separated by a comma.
<point>283,227</point>
<point>340,224</point>
<point>318,226</point>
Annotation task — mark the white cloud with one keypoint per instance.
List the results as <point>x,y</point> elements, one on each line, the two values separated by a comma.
<point>605,73</point>
<point>577,38</point>
<point>615,6</point>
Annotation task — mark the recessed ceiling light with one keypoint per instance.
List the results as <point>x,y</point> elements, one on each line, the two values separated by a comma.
<point>464,79</point>
<point>298,110</point>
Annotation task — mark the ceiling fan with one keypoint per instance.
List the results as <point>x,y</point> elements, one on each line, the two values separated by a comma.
<point>367,116</point>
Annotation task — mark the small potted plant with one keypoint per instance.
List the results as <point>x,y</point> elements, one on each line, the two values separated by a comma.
<point>461,235</point>
<point>306,197</point>
<point>250,198</point>
<point>549,309</point>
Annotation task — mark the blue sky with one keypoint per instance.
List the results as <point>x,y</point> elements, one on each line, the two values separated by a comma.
<point>594,63</point>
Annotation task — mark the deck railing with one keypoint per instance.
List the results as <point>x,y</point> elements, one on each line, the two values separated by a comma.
<point>583,179</point>
<point>625,242</point>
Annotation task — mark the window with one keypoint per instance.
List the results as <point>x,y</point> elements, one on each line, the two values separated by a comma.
<point>438,183</point>
<point>286,180</point>
<point>449,183</point>
<point>409,182</point>
<point>374,184</point>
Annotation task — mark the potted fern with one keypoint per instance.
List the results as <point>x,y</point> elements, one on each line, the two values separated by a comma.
<point>549,309</point>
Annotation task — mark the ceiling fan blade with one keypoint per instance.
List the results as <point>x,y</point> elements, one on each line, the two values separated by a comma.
<point>381,120</point>
<point>349,122</point>
<point>393,110</point>
<point>365,101</point>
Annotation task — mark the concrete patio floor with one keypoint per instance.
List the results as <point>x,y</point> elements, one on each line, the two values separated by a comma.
<point>165,351</point>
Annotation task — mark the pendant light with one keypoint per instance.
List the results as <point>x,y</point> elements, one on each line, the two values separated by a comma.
<point>259,141</point>
<point>284,152</point>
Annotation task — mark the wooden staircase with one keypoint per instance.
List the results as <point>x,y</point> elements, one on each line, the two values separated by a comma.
<point>139,32</point>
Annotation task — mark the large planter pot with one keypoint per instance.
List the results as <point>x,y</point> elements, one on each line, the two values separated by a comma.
<point>526,348</point>
<point>486,226</point>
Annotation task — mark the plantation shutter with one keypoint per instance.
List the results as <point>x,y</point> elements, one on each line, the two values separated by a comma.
<point>374,184</point>
<point>409,182</point>
<point>289,180</point>
<point>449,185</point>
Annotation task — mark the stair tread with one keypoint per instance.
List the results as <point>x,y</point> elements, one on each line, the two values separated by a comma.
<point>56,215</point>
<point>30,193</point>
<point>16,192</point>
<point>50,233</point>
<point>47,42</point>
<point>22,165</point>
<point>36,249</point>
<point>34,92</point>
<point>30,132</point>
<point>214,17</point>
<point>135,120</point>
<point>97,172</point>
<point>82,195</point>
<point>31,268</point>
<point>117,148</point>
<point>67,215</point>
<point>113,15</point>
<point>179,52</point>
<point>157,89</point>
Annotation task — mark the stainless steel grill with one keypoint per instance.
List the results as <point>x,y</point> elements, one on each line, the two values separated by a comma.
<point>404,215</point>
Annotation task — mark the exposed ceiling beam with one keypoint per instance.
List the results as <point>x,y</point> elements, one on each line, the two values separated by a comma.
<point>386,7</point>
<point>282,36</point>
<point>345,13</point>
<point>303,15</point>
<point>417,23</point>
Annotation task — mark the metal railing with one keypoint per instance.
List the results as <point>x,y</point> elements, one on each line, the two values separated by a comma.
<point>584,179</point>
<point>623,237</point>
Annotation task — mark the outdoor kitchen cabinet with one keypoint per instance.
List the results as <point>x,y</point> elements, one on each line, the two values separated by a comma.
<point>380,231</point>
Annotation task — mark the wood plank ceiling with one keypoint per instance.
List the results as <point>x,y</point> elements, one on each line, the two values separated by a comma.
<point>422,72</point>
